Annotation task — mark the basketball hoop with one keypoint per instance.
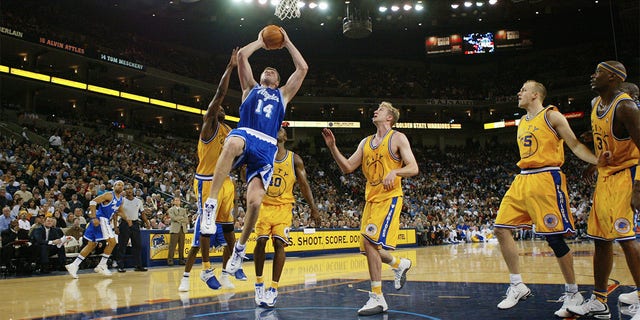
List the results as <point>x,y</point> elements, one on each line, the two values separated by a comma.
<point>287,9</point>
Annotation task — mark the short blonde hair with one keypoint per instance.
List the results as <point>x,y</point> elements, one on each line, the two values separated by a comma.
<point>539,88</point>
<point>395,113</point>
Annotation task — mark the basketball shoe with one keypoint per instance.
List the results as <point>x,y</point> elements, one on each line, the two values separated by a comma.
<point>73,270</point>
<point>591,308</point>
<point>400,274</point>
<point>515,294</point>
<point>376,304</point>
<point>568,299</point>
<point>270,298</point>
<point>235,262</point>
<point>225,280</point>
<point>184,284</point>
<point>210,279</point>
<point>240,275</point>
<point>102,269</point>
<point>629,298</point>
<point>208,219</point>
<point>259,297</point>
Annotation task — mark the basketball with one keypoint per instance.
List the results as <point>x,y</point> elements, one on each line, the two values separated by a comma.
<point>272,37</point>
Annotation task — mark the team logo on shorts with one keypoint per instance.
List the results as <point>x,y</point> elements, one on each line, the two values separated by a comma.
<point>550,220</point>
<point>371,229</point>
<point>622,225</point>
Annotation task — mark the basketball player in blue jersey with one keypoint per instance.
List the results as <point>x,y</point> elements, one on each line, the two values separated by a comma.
<point>102,210</point>
<point>210,142</point>
<point>386,157</point>
<point>254,141</point>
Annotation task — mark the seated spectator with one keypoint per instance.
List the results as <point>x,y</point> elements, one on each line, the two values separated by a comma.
<point>76,230</point>
<point>32,208</point>
<point>49,240</point>
<point>5,218</point>
<point>15,244</point>
<point>23,193</point>
<point>79,214</point>
<point>60,223</point>
<point>24,223</point>
<point>75,203</point>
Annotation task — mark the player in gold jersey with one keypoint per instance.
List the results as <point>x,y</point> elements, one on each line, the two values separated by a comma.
<point>385,158</point>
<point>615,122</point>
<point>538,195</point>
<point>212,135</point>
<point>276,215</point>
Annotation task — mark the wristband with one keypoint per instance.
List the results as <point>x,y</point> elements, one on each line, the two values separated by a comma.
<point>93,203</point>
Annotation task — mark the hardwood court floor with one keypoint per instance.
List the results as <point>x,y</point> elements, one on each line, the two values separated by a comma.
<point>446,282</point>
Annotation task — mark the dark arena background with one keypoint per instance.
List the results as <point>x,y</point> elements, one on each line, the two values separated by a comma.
<point>93,91</point>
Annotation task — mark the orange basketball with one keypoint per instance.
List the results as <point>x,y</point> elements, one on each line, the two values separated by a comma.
<point>272,37</point>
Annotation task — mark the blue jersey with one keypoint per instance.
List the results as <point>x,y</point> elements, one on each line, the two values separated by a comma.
<point>107,210</point>
<point>263,110</point>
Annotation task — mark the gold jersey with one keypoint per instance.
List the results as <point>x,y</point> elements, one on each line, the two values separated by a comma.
<point>280,190</point>
<point>209,151</point>
<point>539,144</point>
<point>377,162</point>
<point>624,153</point>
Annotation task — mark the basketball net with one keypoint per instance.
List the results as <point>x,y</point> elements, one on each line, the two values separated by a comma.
<point>287,9</point>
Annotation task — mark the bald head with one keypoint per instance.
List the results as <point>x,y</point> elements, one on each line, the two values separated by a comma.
<point>630,89</point>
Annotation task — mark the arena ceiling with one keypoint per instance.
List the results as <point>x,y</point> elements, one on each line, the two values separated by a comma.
<point>217,25</point>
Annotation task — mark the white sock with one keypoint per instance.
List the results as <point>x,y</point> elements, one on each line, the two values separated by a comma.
<point>571,287</point>
<point>78,261</point>
<point>104,259</point>
<point>240,246</point>
<point>393,261</point>
<point>186,274</point>
<point>515,279</point>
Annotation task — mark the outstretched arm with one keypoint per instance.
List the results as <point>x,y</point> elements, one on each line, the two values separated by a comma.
<point>303,183</point>
<point>210,118</point>
<point>244,68</point>
<point>294,82</point>
<point>346,165</point>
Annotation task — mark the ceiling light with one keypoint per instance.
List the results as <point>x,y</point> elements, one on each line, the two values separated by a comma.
<point>454,6</point>
<point>468,4</point>
<point>492,2</point>
<point>382,9</point>
<point>323,5</point>
<point>418,7</point>
<point>395,8</point>
<point>407,7</point>
<point>312,5</point>
<point>479,4</point>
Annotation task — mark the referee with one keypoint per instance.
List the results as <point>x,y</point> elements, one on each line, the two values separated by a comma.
<point>130,229</point>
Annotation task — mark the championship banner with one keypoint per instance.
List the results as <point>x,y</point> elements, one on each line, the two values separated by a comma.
<point>11,32</point>
<point>61,45</point>
<point>120,61</point>
<point>302,240</point>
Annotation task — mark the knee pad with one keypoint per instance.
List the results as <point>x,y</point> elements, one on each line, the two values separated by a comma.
<point>558,245</point>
